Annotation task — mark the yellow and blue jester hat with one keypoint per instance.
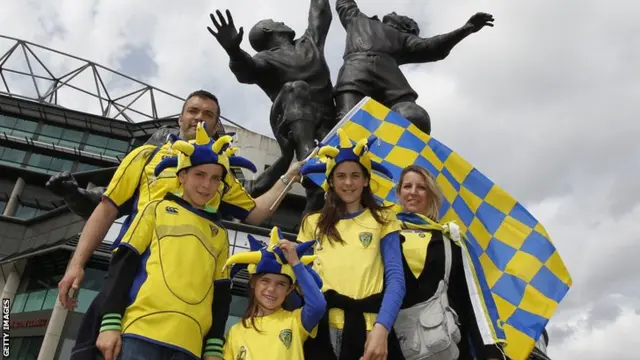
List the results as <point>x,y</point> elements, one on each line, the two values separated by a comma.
<point>269,258</point>
<point>203,150</point>
<point>333,156</point>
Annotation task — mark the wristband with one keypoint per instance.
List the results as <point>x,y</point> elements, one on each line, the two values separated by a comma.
<point>213,347</point>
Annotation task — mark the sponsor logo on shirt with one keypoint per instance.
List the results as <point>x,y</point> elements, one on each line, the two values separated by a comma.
<point>365,238</point>
<point>286,336</point>
<point>171,210</point>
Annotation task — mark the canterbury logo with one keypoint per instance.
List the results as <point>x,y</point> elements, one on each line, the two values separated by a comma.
<point>171,210</point>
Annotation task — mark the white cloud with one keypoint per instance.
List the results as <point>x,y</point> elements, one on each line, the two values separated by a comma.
<point>544,104</point>
<point>615,340</point>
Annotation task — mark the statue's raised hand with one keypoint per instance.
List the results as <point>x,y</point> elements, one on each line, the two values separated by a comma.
<point>226,33</point>
<point>480,20</point>
<point>62,184</point>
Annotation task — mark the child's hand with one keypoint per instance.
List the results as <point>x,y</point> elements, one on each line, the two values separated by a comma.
<point>289,250</point>
<point>109,343</point>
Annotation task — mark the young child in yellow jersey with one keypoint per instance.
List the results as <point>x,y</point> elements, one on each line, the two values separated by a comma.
<point>167,293</point>
<point>267,331</point>
<point>359,258</point>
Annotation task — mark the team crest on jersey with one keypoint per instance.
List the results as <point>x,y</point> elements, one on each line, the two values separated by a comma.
<point>214,230</point>
<point>365,238</point>
<point>242,355</point>
<point>286,336</point>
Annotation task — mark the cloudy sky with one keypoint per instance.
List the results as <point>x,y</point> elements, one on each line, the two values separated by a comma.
<point>542,103</point>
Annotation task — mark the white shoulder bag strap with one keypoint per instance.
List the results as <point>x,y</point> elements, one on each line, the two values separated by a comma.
<point>447,258</point>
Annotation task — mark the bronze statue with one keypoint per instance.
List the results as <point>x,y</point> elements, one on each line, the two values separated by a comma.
<point>374,51</point>
<point>293,73</point>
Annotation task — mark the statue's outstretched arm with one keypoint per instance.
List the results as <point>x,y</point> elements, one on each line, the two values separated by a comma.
<point>80,201</point>
<point>319,21</point>
<point>421,50</point>
<point>268,178</point>
<point>347,10</point>
<point>246,69</point>
<point>84,201</point>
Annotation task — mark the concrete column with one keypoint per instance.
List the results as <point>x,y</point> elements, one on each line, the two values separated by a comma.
<point>12,204</point>
<point>13,280</point>
<point>11,273</point>
<point>5,270</point>
<point>54,332</point>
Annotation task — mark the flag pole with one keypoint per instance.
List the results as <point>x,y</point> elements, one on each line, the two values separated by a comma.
<point>331,133</point>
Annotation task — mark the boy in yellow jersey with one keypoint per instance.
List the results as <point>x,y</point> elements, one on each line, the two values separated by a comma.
<point>267,331</point>
<point>167,295</point>
<point>134,185</point>
<point>359,258</point>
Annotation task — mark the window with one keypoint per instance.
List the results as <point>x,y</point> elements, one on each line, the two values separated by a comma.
<point>41,290</point>
<point>86,167</point>
<point>27,212</point>
<point>35,300</point>
<point>103,145</point>
<point>48,164</point>
<point>64,349</point>
<point>18,302</point>
<point>25,348</point>
<point>11,156</point>
<point>17,127</point>
<point>56,135</point>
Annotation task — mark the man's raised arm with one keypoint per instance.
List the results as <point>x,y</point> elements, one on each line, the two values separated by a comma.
<point>347,10</point>
<point>246,69</point>
<point>319,21</point>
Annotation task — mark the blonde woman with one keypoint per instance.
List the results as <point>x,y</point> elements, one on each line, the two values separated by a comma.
<point>423,247</point>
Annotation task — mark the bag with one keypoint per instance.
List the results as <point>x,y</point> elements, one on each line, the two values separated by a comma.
<point>429,330</point>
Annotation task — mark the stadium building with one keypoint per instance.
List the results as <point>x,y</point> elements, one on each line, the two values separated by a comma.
<point>62,113</point>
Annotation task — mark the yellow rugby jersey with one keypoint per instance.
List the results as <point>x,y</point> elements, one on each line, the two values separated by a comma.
<point>353,269</point>
<point>414,249</point>
<point>135,185</point>
<point>183,252</point>
<point>281,337</point>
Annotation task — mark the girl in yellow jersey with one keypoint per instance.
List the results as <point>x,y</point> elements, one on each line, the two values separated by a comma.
<point>427,252</point>
<point>167,293</point>
<point>267,331</point>
<point>358,258</point>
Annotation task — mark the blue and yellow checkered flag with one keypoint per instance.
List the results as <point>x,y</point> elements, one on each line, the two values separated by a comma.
<point>518,274</point>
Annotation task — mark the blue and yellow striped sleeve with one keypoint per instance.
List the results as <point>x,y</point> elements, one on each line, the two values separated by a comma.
<point>236,201</point>
<point>126,180</point>
<point>140,232</point>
